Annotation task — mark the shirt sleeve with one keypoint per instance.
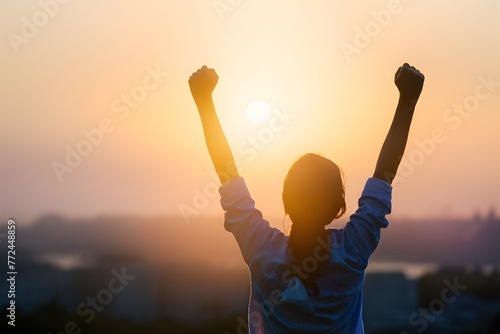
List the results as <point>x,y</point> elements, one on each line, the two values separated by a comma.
<point>362,232</point>
<point>243,220</point>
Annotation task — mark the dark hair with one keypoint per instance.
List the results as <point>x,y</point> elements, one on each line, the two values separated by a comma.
<point>313,196</point>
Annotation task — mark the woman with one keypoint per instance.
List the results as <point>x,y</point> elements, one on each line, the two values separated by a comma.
<point>311,281</point>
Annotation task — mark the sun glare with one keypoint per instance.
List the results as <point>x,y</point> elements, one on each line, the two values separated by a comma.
<point>259,111</point>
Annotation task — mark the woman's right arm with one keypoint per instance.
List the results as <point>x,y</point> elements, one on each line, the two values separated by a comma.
<point>202,84</point>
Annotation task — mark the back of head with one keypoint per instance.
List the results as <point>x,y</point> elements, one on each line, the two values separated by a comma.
<point>313,196</point>
<point>313,191</point>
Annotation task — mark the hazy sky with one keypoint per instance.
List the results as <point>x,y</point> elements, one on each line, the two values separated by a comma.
<point>325,67</point>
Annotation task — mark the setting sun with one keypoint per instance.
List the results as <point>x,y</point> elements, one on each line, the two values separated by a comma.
<point>259,111</point>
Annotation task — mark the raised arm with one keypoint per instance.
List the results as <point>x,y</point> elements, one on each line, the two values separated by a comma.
<point>202,84</point>
<point>409,82</point>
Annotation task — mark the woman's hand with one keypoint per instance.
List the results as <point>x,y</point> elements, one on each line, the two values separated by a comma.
<point>202,83</point>
<point>409,81</point>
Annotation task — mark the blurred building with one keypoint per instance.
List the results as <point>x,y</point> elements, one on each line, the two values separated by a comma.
<point>389,300</point>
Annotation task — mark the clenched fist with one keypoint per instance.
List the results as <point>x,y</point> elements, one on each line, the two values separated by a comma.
<point>409,81</point>
<point>203,82</point>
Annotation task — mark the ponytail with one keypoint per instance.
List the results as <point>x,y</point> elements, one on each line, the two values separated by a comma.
<point>313,195</point>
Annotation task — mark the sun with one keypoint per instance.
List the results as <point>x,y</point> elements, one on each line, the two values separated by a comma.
<point>259,112</point>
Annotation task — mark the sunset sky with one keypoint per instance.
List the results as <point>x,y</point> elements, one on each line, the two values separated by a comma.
<point>108,79</point>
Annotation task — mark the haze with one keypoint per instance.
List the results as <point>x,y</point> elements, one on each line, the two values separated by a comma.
<point>331,88</point>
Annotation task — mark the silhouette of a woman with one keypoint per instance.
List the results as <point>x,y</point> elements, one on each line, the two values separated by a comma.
<point>311,281</point>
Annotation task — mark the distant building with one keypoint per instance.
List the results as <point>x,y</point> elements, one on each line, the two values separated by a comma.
<point>492,215</point>
<point>466,311</point>
<point>200,293</point>
<point>136,300</point>
<point>43,284</point>
<point>389,300</point>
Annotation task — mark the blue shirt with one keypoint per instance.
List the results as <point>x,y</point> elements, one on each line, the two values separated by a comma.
<point>279,302</point>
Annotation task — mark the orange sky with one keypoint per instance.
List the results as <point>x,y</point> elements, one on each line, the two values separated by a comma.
<point>71,72</point>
